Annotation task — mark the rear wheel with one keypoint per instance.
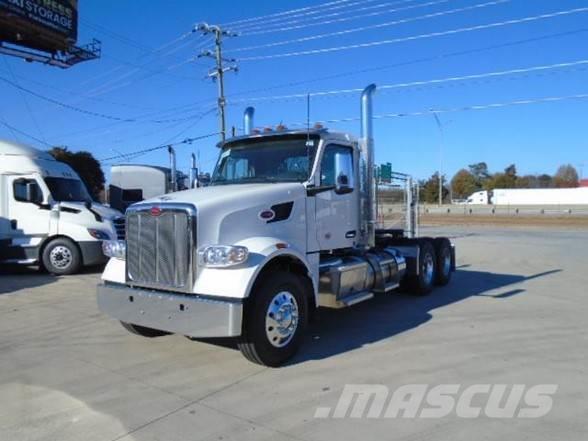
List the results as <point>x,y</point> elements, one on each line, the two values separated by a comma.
<point>275,319</point>
<point>143,331</point>
<point>62,256</point>
<point>443,254</point>
<point>422,283</point>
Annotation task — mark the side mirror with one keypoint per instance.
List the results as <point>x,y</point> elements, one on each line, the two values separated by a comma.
<point>343,173</point>
<point>33,193</point>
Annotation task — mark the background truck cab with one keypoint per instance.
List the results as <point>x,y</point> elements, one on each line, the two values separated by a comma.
<point>47,216</point>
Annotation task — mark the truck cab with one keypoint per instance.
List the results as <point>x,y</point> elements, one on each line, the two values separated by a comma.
<point>47,216</point>
<point>287,225</point>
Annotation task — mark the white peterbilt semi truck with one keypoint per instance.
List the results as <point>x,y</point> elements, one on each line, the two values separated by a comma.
<point>287,225</point>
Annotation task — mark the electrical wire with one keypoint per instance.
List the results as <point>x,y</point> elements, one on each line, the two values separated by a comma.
<point>412,84</point>
<point>88,112</point>
<point>269,25</point>
<point>428,112</point>
<point>21,132</point>
<point>25,101</point>
<point>375,26</point>
<point>420,36</point>
<point>355,16</point>
<point>159,147</point>
<point>414,61</point>
<point>298,11</point>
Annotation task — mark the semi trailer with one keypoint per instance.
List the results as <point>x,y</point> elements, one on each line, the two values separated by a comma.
<point>47,216</point>
<point>287,225</point>
<point>131,183</point>
<point>530,196</point>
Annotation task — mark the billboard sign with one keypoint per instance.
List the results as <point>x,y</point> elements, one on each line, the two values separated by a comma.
<point>48,25</point>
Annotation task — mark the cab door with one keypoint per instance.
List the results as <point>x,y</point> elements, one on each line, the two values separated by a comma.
<point>28,214</point>
<point>337,200</point>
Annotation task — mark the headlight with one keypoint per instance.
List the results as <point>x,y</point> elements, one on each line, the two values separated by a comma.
<point>222,255</point>
<point>98,234</point>
<point>114,248</point>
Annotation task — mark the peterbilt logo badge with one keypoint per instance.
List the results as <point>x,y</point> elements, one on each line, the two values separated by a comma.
<point>155,211</point>
<point>267,215</point>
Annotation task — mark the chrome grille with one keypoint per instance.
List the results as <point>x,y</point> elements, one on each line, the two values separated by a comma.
<point>161,247</point>
<point>119,226</point>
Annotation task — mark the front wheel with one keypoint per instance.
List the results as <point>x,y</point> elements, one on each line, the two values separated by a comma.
<point>62,256</point>
<point>275,319</point>
<point>143,331</point>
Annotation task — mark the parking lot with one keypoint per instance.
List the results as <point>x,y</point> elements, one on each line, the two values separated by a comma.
<point>515,313</point>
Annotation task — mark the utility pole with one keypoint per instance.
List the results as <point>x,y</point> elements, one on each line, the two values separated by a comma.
<point>218,72</point>
<point>441,144</point>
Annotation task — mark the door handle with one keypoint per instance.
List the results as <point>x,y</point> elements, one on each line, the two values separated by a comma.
<point>13,224</point>
<point>350,234</point>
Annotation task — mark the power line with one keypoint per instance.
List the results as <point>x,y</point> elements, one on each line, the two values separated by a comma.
<point>428,112</point>
<point>495,74</point>
<point>417,37</point>
<point>265,26</point>
<point>87,112</point>
<point>25,101</point>
<point>21,132</point>
<point>288,12</point>
<point>416,61</point>
<point>159,147</point>
<point>375,26</point>
<point>355,16</point>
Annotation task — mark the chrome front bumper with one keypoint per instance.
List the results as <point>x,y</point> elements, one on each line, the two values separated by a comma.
<point>187,314</point>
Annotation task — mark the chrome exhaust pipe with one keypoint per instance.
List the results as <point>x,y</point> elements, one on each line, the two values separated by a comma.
<point>248,120</point>
<point>172,166</point>
<point>368,202</point>
<point>193,172</point>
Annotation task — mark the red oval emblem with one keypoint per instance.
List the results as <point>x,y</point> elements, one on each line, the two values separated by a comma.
<point>267,215</point>
<point>155,211</point>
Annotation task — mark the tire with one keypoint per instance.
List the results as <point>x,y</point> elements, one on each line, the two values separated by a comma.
<point>263,341</point>
<point>443,265</point>
<point>423,283</point>
<point>62,257</point>
<point>143,331</point>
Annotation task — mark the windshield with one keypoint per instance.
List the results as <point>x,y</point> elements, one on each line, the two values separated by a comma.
<point>267,160</point>
<point>67,190</point>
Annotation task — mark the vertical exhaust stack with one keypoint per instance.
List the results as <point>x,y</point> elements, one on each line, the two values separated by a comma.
<point>368,193</point>
<point>248,120</point>
<point>172,166</point>
<point>193,172</point>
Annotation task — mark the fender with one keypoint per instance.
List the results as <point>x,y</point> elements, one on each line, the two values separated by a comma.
<point>236,282</point>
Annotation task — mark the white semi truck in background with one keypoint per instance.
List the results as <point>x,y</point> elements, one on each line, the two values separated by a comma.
<point>531,196</point>
<point>288,224</point>
<point>47,216</point>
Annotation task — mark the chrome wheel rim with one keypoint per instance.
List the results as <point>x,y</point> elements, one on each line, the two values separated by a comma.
<point>60,257</point>
<point>281,319</point>
<point>428,268</point>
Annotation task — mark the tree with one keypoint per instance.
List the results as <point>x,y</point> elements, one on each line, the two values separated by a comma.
<point>480,172</point>
<point>508,179</point>
<point>85,165</point>
<point>463,184</point>
<point>430,190</point>
<point>566,177</point>
<point>544,181</point>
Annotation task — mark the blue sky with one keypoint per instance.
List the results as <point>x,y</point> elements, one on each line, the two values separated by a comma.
<point>131,81</point>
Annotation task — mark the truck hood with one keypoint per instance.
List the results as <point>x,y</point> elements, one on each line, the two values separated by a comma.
<point>104,211</point>
<point>229,214</point>
<point>241,195</point>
